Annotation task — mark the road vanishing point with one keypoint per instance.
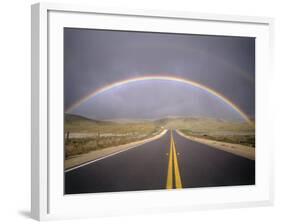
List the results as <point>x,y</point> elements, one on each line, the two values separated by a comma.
<point>170,162</point>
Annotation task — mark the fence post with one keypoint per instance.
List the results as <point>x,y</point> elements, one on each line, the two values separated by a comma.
<point>67,136</point>
<point>98,138</point>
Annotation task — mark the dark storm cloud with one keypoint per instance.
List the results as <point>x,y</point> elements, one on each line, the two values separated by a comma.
<point>96,58</point>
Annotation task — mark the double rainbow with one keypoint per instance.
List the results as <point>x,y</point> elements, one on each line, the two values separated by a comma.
<point>160,77</point>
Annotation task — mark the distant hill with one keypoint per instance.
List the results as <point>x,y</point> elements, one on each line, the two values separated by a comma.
<point>194,124</point>
<point>79,124</point>
<point>127,121</point>
<point>204,124</point>
<point>69,118</point>
<point>73,118</point>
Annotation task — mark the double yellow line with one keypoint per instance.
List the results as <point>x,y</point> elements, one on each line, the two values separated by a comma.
<point>173,178</point>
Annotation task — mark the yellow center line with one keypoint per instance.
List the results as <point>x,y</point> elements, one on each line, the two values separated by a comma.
<point>173,166</point>
<point>176,167</point>
<point>169,184</point>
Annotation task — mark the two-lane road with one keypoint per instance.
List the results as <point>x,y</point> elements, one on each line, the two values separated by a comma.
<point>169,162</point>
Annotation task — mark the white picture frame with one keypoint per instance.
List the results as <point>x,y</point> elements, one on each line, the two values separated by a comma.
<point>48,201</point>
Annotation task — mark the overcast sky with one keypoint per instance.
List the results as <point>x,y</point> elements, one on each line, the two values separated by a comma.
<point>96,58</point>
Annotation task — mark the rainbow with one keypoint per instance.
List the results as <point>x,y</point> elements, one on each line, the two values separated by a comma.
<point>160,77</point>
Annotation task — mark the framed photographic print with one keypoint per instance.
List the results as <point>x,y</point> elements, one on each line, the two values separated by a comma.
<point>146,111</point>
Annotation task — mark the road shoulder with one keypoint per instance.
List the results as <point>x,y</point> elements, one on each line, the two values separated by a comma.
<point>79,160</point>
<point>236,149</point>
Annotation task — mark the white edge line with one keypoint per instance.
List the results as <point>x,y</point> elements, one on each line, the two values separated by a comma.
<point>115,153</point>
<point>212,146</point>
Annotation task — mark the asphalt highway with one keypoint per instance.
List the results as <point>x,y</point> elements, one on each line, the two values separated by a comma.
<point>171,161</point>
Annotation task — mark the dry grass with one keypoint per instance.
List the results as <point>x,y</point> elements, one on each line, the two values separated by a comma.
<point>224,131</point>
<point>242,139</point>
<point>84,135</point>
<point>202,124</point>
